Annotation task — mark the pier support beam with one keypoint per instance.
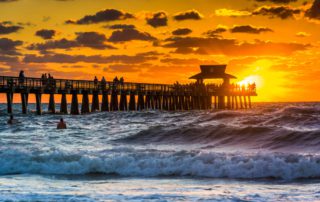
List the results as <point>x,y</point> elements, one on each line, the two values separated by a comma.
<point>74,104</point>
<point>123,102</point>
<point>249,98</point>
<point>132,102</point>
<point>105,102</point>
<point>52,104</point>
<point>245,102</point>
<point>221,102</point>
<point>9,102</point>
<point>95,102</point>
<point>38,103</point>
<point>24,102</point>
<point>114,101</point>
<point>240,100</point>
<point>64,104</point>
<point>140,102</point>
<point>85,103</point>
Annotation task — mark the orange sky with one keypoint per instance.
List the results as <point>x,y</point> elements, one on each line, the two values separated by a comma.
<point>272,42</point>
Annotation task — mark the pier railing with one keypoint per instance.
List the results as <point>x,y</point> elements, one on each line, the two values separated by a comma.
<point>30,83</point>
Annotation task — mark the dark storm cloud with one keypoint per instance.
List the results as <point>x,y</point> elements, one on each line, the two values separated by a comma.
<point>84,39</point>
<point>249,29</point>
<point>314,11</point>
<point>283,12</point>
<point>188,15</point>
<point>129,35</point>
<point>107,15</point>
<point>278,1</point>
<point>120,26</point>
<point>9,47</point>
<point>46,33</point>
<point>7,28</point>
<point>220,46</point>
<point>65,58</point>
<point>182,31</point>
<point>157,19</point>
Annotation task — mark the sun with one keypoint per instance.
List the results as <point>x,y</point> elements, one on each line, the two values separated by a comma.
<point>250,80</point>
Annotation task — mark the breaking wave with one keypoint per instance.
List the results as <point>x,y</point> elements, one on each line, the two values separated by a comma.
<point>166,163</point>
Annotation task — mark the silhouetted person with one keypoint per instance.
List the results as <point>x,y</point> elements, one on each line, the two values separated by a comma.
<point>121,81</point>
<point>95,81</point>
<point>62,124</point>
<point>103,83</point>
<point>11,120</point>
<point>21,77</point>
<point>116,80</point>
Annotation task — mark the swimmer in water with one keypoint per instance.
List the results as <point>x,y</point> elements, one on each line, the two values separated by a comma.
<point>62,124</point>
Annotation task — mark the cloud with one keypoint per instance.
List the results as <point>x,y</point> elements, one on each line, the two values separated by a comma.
<point>158,19</point>
<point>283,12</point>
<point>189,61</point>
<point>107,15</point>
<point>46,33</point>
<point>93,40</point>
<point>231,13</point>
<point>277,1</point>
<point>4,1</point>
<point>120,26</point>
<point>98,59</point>
<point>302,34</point>
<point>129,35</point>
<point>7,28</point>
<point>314,11</point>
<point>182,31</point>
<point>249,29</point>
<point>220,46</point>
<point>188,15</point>
<point>5,58</point>
<point>219,30</point>
<point>9,47</point>
<point>84,39</point>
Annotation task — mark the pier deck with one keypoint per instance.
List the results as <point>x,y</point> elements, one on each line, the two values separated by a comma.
<point>141,96</point>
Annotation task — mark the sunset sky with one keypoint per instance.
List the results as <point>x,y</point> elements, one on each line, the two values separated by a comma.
<point>275,43</point>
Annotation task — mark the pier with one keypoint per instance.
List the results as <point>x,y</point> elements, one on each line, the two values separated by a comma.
<point>126,96</point>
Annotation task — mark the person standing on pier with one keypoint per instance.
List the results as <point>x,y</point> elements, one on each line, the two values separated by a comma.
<point>21,77</point>
<point>103,83</point>
<point>95,82</point>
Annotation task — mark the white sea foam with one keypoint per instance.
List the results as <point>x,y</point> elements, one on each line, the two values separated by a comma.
<point>156,163</point>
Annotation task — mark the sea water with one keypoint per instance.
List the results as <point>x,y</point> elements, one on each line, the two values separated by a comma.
<point>268,153</point>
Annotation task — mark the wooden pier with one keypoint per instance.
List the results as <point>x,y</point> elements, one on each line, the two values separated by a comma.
<point>128,96</point>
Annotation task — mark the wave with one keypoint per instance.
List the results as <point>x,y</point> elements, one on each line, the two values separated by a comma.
<point>162,163</point>
<point>225,135</point>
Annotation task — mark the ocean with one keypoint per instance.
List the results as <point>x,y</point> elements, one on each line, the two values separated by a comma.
<point>268,153</point>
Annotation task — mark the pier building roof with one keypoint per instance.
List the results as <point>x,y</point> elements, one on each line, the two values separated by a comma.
<point>213,72</point>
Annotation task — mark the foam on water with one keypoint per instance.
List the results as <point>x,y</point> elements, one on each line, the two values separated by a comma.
<point>161,163</point>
